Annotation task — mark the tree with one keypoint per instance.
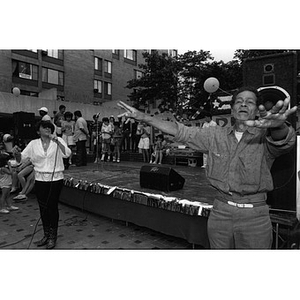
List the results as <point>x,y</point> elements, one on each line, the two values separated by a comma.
<point>159,80</point>
<point>241,55</point>
<point>177,82</point>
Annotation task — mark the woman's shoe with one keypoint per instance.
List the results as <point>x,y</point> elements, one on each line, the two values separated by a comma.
<point>20,197</point>
<point>11,208</point>
<point>51,243</point>
<point>42,242</point>
<point>4,211</point>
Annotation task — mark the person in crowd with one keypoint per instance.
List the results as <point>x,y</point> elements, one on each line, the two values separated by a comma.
<point>159,147</point>
<point>25,173</point>
<point>58,118</point>
<point>5,185</point>
<point>135,138</point>
<point>144,143</point>
<point>81,135</point>
<point>46,154</point>
<point>239,162</point>
<point>106,134</point>
<point>125,146</point>
<point>112,122</point>
<point>6,146</point>
<point>8,140</point>
<point>43,111</point>
<point>67,129</point>
<point>208,122</point>
<point>117,139</point>
<point>96,137</point>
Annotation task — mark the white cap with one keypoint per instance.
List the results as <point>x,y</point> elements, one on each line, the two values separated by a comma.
<point>6,137</point>
<point>45,109</point>
<point>46,118</point>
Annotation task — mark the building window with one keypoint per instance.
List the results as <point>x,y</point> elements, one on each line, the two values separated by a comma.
<point>115,53</point>
<point>98,86</point>
<point>138,74</point>
<point>172,52</point>
<point>24,70</point>
<point>107,88</point>
<point>130,54</point>
<point>55,53</point>
<point>107,66</point>
<point>58,54</point>
<point>53,76</point>
<point>98,64</point>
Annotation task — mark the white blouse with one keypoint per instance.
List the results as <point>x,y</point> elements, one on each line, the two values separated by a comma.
<point>48,165</point>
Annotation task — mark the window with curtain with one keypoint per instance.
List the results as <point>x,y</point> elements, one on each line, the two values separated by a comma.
<point>24,70</point>
<point>130,54</point>
<point>107,66</point>
<point>55,53</point>
<point>107,88</point>
<point>98,86</point>
<point>98,63</point>
<point>53,76</point>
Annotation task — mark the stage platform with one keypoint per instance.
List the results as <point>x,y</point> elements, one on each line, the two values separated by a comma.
<point>113,190</point>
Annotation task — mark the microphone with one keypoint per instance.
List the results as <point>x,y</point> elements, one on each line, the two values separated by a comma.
<point>97,115</point>
<point>53,137</point>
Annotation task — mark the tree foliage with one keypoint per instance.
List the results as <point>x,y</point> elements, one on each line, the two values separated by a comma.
<point>177,82</point>
<point>241,55</point>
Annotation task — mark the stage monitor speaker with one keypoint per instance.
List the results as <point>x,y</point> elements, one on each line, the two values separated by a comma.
<point>24,125</point>
<point>160,178</point>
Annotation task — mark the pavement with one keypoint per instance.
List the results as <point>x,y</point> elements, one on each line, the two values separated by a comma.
<point>83,230</point>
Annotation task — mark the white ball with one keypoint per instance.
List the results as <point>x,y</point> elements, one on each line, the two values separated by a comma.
<point>16,91</point>
<point>211,84</point>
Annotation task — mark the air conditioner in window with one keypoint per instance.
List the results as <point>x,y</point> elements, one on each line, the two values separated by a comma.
<point>44,53</point>
<point>96,90</point>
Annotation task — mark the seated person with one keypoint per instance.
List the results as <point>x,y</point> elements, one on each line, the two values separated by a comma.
<point>25,175</point>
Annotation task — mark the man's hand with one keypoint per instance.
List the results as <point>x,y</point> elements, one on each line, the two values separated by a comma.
<point>131,112</point>
<point>275,117</point>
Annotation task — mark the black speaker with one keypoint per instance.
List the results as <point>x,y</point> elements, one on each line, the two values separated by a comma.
<point>160,178</point>
<point>24,125</point>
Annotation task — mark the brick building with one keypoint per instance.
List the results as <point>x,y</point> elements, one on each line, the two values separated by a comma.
<point>88,80</point>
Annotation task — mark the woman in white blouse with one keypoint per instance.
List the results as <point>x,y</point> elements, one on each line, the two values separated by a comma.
<point>46,154</point>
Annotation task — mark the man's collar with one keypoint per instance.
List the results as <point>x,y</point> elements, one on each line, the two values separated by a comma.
<point>251,130</point>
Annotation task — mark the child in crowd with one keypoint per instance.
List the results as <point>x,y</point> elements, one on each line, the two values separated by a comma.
<point>144,143</point>
<point>67,129</point>
<point>5,185</point>
<point>106,132</point>
<point>159,147</point>
<point>111,123</point>
<point>117,140</point>
<point>96,137</point>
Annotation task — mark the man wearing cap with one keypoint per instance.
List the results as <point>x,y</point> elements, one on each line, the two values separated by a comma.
<point>45,117</point>
<point>44,114</point>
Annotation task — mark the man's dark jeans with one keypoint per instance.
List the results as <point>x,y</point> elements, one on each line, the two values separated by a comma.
<point>81,156</point>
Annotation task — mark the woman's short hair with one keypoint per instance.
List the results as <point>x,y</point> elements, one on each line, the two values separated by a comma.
<point>45,124</point>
